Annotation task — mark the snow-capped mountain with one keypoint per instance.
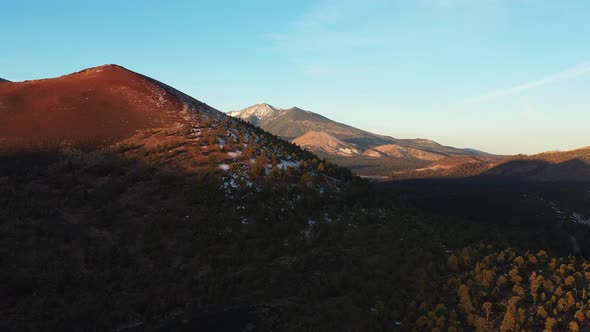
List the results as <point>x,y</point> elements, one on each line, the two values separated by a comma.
<point>329,138</point>
<point>259,112</point>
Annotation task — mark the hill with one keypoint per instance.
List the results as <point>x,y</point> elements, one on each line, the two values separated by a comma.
<point>93,107</point>
<point>553,166</point>
<point>368,153</point>
<point>325,143</point>
<point>3,80</point>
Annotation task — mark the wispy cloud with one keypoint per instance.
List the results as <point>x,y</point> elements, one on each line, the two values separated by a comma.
<point>330,26</point>
<point>564,75</point>
<point>456,3</point>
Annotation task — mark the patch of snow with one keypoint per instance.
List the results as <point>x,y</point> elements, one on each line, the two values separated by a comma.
<point>234,154</point>
<point>284,164</point>
<point>346,150</point>
<point>579,218</point>
<point>224,167</point>
<point>221,142</point>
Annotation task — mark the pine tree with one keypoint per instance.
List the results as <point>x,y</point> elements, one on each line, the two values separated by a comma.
<point>487,308</point>
<point>511,318</point>
<point>465,299</point>
<point>550,324</point>
<point>250,151</point>
<point>541,312</point>
<point>453,263</point>
<point>259,166</point>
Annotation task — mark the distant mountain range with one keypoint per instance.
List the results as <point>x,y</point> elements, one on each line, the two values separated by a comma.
<point>553,166</point>
<point>3,80</point>
<point>345,144</point>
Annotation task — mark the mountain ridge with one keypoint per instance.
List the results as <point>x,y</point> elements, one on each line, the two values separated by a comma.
<point>550,166</point>
<point>360,146</point>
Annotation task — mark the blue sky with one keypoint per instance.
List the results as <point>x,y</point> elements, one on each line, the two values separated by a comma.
<point>504,76</point>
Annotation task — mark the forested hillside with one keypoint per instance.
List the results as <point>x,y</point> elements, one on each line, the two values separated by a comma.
<point>197,221</point>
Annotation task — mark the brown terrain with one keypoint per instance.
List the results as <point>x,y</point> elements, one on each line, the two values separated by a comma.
<point>86,109</point>
<point>571,165</point>
<point>399,151</point>
<point>326,143</point>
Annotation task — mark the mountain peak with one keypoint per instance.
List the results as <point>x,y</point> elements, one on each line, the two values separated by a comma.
<point>257,113</point>
<point>104,69</point>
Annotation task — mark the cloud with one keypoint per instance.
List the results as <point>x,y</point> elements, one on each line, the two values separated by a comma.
<point>331,26</point>
<point>564,75</point>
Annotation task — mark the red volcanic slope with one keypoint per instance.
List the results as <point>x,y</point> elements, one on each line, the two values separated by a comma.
<point>89,108</point>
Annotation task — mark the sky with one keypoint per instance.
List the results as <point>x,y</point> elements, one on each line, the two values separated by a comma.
<point>503,76</point>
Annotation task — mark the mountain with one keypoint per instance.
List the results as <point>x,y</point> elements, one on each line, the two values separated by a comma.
<point>3,80</point>
<point>92,107</point>
<point>293,122</point>
<point>367,152</point>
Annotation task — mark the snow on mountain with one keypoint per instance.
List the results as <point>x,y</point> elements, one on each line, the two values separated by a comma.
<point>331,139</point>
<point>257,113</point>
